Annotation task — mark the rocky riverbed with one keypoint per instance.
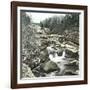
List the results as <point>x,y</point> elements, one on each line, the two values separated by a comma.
<point>35,56</point>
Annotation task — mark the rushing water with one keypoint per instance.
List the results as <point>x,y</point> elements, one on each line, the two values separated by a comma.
<point>61,61</point>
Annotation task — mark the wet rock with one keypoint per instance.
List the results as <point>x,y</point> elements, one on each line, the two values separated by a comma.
<point>38,71</point>
<point>60,52</point>
<point>72,67</point>
<point>71,54</point>
<point>44,56</point>
<point>50,67</point>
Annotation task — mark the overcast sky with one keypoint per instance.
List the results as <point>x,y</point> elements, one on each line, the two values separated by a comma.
<point>37,17</point>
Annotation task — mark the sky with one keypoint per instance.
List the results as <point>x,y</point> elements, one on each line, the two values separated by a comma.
<point>37,17</point>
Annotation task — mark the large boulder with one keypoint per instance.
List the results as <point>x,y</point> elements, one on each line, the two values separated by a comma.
<point>50,67</point>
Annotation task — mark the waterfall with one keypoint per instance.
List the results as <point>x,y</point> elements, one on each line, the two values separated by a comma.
<point>54,56</point>
<point>63,54</point>
<point>59,60</point>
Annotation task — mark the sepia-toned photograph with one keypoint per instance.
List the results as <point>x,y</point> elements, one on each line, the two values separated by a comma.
<point>49,44</point>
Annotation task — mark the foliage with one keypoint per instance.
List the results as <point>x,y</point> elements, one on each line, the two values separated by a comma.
<point>58,24</point>
<point>25,19</point>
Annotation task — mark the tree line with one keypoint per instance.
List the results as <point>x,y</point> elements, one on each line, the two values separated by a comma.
<point>58,24</point>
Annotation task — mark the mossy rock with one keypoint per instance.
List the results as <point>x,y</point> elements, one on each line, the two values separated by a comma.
<point>50,67</point>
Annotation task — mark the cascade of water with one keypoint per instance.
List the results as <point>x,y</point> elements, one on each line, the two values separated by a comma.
<point>59,60</point>
<point>63,54</point>
<point>54,57</point>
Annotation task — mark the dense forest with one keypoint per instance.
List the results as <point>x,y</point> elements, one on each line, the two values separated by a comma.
<point>58,25</point>
<point>56,35</point>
